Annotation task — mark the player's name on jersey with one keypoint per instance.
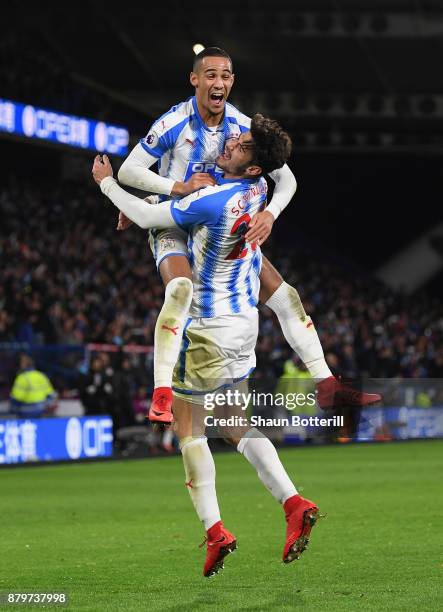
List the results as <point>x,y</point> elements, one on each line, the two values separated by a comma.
<point>258,189</point>
<point>295,420</point>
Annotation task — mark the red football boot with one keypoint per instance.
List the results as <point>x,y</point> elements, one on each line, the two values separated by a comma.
<point>332,393</point>
<point>301,515</point>
<point>160,412</point>
<point>219,543</point>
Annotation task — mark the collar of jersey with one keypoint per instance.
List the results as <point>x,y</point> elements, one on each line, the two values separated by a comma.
<point>243,181</point>
<point>220,127</point>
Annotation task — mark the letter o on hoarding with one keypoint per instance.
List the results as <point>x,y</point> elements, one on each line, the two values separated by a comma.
<point>74,438</point>
<point>100,136</point>
<point>29,121</point>
<point>91,443</point>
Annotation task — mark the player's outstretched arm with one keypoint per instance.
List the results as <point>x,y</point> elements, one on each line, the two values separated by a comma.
<point>135,172</point>
<point>261,224</point>
<point>143,214</point>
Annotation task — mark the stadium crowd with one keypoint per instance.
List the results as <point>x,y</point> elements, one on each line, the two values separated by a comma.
<point>69,278</point>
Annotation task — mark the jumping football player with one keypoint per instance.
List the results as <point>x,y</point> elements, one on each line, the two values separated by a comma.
<point>220,337</point>
<point>186,142</point>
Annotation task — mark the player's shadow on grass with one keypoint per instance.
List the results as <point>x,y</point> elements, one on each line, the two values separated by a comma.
<point>287,599</point>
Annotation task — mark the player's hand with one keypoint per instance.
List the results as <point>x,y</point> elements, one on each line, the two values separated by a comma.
<point>196,182</point>
<point>123,222</point>
<point>260,227</point>
<point>101,168</point>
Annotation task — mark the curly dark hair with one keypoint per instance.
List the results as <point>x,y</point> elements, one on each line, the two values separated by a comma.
<point>273,145</point>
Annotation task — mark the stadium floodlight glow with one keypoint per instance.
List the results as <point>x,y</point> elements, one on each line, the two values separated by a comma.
<point>43,124</point>
<point>198,48</point>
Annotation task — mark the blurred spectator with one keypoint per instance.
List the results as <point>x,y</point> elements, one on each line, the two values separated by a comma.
<point>101,286</point>
<point>97,391</point>
<point>140,404</point>
<point>32,394</point>
<point>297,382</point>
<point>124,388</point>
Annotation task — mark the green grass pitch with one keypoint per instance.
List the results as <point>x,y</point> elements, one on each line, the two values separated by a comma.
<point>124,536</point>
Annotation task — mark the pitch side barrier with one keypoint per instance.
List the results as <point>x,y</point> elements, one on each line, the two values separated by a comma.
<point>64,363</point>
<point>284,408</point>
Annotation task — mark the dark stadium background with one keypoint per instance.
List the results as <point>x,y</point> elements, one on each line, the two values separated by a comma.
<point>128,64</point>
<point>357,83</point>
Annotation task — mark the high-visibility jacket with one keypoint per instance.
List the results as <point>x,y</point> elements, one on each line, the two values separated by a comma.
<point>294,382</point>
<point>31,392</point>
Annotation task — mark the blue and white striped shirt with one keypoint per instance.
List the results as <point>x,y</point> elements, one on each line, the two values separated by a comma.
<point>225,267</point>
<point>183,144</point>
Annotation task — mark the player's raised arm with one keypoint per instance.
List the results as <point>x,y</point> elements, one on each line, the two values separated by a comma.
<point>143,214</point>
<point>285,187</point>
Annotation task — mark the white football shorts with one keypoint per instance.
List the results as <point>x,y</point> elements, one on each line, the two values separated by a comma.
<point>215,354</point>
<point>166,242</point>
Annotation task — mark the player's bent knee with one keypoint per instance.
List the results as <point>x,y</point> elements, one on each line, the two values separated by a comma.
<point>269,284</point>
<point>180,289</point>
<point>295,301</point>
<point>187,439</point>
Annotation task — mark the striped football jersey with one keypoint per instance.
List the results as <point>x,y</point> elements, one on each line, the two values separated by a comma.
<point>183,144</point>
<point>225,267</point>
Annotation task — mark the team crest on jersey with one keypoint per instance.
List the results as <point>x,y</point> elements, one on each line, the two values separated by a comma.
<point>166,244</point>
<point>152,139</point>
<point>234,131</point>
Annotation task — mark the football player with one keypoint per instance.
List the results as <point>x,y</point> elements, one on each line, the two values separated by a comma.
<point>221,334</point>
<point>185,142</point>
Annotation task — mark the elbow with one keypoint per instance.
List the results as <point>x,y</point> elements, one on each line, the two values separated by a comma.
<point>288,181</point>
<point>285,180</point>
<point>292,181</point>
<point>144,217</point>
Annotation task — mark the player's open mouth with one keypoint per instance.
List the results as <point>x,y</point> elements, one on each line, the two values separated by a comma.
<point>217,98</point>
<point>225,154</point>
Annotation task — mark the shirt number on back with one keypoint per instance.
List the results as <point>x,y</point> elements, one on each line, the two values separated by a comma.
<point>240,228</point>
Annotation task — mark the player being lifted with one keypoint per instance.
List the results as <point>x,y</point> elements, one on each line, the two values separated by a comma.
<point>220,338</point>
<point>186,142</point>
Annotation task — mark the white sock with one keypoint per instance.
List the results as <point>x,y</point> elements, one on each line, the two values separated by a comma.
<point>261,453</point>
<point>299,330</point>
<point>168,437</point>
<point>200,480</point>
<point>169,329</point>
